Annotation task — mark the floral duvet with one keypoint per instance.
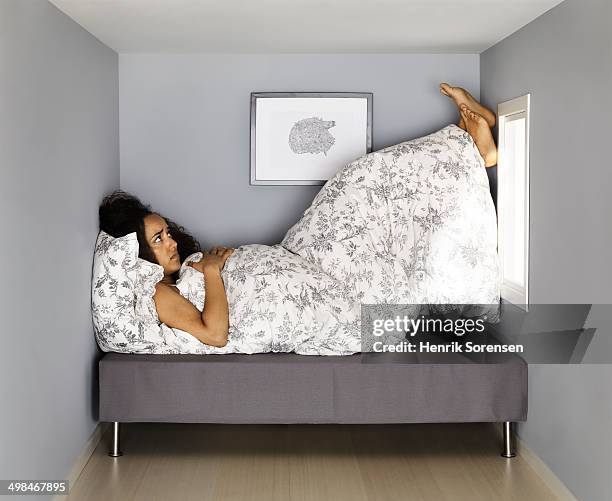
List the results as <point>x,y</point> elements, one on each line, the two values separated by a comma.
<point>412,223</point>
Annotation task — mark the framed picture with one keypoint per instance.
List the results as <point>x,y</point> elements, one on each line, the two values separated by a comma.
<point>306,137</point>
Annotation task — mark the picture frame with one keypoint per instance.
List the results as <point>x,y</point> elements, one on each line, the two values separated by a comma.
<point>304,138</point>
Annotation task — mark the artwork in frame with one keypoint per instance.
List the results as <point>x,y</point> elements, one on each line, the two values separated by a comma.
<point>306,137</point>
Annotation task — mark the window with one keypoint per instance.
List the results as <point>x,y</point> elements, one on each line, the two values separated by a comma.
<point>513,199</point>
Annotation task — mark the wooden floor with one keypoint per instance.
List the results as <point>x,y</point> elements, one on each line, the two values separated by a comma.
<point>307,462</point>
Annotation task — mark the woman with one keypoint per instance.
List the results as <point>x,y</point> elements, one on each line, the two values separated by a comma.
<point>317,268</point>
<point>165,243</point>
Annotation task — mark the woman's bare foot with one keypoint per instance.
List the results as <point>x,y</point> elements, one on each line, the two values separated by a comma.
<point>462,96</point>
<point>478,128</point>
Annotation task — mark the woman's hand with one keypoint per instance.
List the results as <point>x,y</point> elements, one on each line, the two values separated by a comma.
<point>211,325</point>
<point>215,258</point>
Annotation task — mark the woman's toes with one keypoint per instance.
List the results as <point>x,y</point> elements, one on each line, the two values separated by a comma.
<point>445,89</point>
<point>473,116</point>
<point>479,118</point>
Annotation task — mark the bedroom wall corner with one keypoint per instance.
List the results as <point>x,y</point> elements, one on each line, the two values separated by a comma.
<point>59,151</point>
<point>563,59</point>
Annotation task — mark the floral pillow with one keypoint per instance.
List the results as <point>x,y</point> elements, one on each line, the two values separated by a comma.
<point>118,280</point>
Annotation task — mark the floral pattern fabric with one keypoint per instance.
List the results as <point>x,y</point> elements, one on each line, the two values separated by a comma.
<point>121,297</point>
<point>412,223</point>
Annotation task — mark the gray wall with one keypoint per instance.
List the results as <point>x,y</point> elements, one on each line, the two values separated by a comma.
<point>59,153</point>
<point>563,60</point>
<point>185,128</point>
<point>184,147</point>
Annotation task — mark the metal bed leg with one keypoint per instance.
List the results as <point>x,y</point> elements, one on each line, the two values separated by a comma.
<point>115,450</point>
<point>508,445</point>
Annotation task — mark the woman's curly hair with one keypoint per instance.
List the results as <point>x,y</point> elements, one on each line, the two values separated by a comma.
<point>121,213</point>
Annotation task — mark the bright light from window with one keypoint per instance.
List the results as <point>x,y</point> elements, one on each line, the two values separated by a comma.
<point>513,199</point>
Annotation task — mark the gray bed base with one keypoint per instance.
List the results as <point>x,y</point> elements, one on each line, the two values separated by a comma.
<point>288,388</point>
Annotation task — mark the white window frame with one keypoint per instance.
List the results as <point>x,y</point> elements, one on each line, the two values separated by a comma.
<point>507,112</point>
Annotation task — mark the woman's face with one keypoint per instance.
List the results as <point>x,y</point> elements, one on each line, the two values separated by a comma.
<point>162,245</point>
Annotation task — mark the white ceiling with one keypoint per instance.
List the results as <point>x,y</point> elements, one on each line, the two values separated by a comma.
<point>305,26</point>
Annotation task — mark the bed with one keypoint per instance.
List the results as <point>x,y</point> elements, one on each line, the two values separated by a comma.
<point>410,224</point>
<point>289,388</point>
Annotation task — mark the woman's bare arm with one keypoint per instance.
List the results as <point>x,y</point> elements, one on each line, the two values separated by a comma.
<point>211,326</point>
